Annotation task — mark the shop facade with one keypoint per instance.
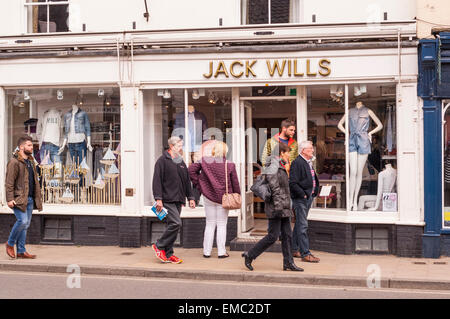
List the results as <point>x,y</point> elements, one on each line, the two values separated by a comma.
<point>136,97</point>
<point>434,91</point>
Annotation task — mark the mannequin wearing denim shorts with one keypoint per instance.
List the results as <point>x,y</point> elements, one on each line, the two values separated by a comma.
<point>79,137</point>
<point>359,145</point>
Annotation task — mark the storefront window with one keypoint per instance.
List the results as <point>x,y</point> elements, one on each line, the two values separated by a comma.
<point>47,16</point>
<point>326,108</point>
<point>446,164</point>
<point>76,137</point>
<point>269,11</point>
<point>371,160</point>
<point>207,113</point>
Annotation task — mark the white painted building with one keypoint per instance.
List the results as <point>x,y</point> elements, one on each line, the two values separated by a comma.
<point>136,80</point>
<point>17,17</point>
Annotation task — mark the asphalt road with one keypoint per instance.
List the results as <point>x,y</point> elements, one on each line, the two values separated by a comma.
<point>18,285</point>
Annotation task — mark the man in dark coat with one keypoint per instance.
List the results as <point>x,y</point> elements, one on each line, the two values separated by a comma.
<point>171,187</point>
<point>23,194</point>
<point>304,186</point>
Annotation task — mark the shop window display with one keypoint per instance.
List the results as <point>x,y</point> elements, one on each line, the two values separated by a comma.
<point>76,137</point>
<point>207,113</point>
<point>371,161</point>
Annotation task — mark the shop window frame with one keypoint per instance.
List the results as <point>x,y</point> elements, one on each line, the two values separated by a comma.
<point>347,211</point>
<point>108,208</point>
<point>445,109</point>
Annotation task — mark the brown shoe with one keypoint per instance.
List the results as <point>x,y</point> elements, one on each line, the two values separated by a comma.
<point>310,259</point>
<point>297,254</point>
<point>26,255</point>
<point>10,251</point>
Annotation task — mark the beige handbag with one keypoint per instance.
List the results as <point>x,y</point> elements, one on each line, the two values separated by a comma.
<point>233,200</point>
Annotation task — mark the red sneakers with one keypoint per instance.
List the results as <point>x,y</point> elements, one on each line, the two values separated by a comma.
<point>160,254</point>
<point>175,260</point>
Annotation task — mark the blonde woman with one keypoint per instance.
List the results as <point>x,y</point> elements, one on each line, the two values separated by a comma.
<point>208,175</point>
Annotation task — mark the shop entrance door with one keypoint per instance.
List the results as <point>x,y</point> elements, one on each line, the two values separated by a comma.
<point>247,145</point>
<point>261,118</point>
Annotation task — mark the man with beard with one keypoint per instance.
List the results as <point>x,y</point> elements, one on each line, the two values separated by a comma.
<point>171,186</point>
<point>285,136</point>
<point>23,194</point>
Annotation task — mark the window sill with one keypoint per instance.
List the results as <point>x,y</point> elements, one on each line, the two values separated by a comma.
<point>354,217</point>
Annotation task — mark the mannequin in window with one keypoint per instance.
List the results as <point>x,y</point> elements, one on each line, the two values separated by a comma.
<point>359,145</point>
<point>386,184</point>
<point>197,125</point>
<point>49,133</point>
<point>77,133</point>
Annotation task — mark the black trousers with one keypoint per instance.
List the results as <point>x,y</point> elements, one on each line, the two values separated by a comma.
<point>276,227</point>
<point>173,225</point>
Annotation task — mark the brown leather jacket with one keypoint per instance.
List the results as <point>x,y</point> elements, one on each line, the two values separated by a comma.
<point>16,184</point>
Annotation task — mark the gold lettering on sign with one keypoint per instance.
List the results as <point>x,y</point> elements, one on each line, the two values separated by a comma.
<point>232,69</point>
<point>248,68</point>
<point>236,68</point>
<point>221,69</point>
<point>295,69</point>
<point>276,66</point>
<point>210,71</point>
<point>324,67</point>
<point>308,68</point>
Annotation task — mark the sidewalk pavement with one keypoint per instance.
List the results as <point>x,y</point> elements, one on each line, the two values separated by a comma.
<point>333,269</point>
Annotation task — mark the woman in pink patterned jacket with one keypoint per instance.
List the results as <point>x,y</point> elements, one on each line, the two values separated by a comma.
<point>208,175</point>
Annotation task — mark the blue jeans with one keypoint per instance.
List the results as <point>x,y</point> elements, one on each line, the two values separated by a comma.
<point>18,233</point>
<point>77,151</point>
<point>50,148</point>
<point>300,241</point>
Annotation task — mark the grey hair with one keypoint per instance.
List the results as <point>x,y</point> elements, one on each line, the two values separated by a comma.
<point>304,144</point>
<point>174,140</point>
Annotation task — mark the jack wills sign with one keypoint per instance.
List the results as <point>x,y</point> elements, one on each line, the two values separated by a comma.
<point>291,68</point>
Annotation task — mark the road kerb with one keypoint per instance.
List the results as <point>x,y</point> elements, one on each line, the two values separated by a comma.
<point>255,277</point>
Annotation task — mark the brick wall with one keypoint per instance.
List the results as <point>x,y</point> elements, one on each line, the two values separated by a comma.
<point>330,237</point>
<point>445,245</point>
<point>95,230</point>
<point>408,240</point>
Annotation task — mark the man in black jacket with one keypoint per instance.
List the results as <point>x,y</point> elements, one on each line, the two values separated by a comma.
<point>303,186</point>
<point>171,186</point>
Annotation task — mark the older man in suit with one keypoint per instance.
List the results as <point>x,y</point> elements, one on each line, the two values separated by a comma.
<point>303,186</point>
